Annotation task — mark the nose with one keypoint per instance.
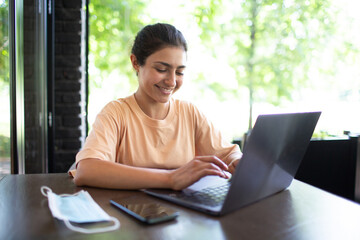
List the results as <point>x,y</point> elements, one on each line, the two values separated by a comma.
<point>171,79</point>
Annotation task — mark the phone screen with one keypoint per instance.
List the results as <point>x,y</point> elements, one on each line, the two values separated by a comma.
<point>148,212</point>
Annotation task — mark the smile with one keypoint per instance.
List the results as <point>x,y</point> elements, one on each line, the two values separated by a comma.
<point>165,90</point>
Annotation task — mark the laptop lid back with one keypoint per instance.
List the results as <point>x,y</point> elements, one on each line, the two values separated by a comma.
<point>271,157</point>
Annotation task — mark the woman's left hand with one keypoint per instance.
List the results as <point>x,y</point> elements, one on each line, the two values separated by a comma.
<point>232,166</point>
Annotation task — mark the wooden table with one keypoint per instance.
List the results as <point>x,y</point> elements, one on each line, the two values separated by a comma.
<point>300,212</point>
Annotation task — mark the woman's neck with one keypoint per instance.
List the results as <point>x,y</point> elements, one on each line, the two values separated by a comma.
<point>152,109</point>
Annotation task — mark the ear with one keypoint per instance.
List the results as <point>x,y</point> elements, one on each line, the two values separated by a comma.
<point>134,63</point>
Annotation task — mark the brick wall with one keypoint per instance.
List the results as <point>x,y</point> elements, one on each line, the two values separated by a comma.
<point>69,83</point>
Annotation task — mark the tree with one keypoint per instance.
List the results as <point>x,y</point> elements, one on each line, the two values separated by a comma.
<point>4,43</point>
<point>113,24</point>
<point>273,44</point>
<point>272,41</point>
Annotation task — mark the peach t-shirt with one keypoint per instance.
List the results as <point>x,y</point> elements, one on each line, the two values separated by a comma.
<point>123,133</point>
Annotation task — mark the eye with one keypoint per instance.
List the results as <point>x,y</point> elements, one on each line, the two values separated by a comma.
<point>180,73</point>
<point>160,70</point>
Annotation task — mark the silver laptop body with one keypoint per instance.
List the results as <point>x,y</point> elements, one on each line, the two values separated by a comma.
<point>271,157</point>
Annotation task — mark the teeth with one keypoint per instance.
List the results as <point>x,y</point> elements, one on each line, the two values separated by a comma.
<point>168,90</point>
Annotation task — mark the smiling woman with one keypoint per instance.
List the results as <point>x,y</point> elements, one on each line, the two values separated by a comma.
<point>159,78</point>
<point>158,57</point>
<point>150,139</point>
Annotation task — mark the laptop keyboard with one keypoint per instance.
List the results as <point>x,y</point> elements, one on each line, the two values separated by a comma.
<point>211,196</point>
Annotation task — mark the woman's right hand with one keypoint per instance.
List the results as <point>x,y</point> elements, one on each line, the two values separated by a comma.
<point>195,169</point>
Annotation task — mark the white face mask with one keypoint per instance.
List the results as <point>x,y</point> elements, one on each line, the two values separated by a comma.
<point>78,208</point>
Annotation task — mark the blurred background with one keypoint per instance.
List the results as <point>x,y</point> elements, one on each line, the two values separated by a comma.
<point>245,58</point>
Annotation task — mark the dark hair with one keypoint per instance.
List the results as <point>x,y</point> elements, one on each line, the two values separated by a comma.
<point>155,37</point>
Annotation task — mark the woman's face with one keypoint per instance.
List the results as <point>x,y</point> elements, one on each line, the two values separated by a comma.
<point>162,74</point>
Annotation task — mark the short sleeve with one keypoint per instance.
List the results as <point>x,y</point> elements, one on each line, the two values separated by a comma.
<point>209,140</point>
<point>104,138</point>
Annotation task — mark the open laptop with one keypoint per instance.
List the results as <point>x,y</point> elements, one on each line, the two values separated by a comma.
<point>271,157</point>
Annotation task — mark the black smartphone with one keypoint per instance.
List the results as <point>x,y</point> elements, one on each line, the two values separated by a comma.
<point>146,212</point>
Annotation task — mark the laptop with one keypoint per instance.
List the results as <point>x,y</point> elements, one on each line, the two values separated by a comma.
<point>271,157</point>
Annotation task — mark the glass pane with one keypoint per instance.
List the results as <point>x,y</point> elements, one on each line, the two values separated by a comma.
<point>304,57</point>
<point>34,87</point>
<point>4,90</point>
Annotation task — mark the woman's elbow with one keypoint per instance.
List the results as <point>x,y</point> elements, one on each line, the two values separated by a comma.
<point>81,175</point>
<point>79,179</point>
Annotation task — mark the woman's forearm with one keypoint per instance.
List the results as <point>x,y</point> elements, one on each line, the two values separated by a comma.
<point>104,174</point>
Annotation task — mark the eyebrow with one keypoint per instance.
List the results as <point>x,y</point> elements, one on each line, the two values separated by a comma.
<point>169,65</point>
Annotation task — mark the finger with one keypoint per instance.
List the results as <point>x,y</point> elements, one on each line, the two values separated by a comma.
<point>233,165</point>
<point>199,165</point>
<point>214,172</point>
<point>208,168</point>
<point>205,168</point>
<point>231,169</point>
<point>213,159</point>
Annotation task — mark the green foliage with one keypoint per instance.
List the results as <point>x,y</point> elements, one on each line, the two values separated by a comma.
<point>273,41</point>
<point>4,68</point>
<point>206,13</point>
<point>113,24</point>
<point>4,146</point>
<point>4,43</point>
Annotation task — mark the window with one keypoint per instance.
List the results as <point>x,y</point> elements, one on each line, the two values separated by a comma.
<point>245,58</point>
<point>4,90</point>
<point>23,86</point>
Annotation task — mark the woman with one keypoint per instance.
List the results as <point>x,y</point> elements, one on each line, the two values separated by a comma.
<point>149,139</point>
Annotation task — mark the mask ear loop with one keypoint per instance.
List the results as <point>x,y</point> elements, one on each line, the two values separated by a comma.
<point>96,230</point>
<point>45,190</point>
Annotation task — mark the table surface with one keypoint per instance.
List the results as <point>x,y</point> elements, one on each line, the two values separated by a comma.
<point>300,212</point>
